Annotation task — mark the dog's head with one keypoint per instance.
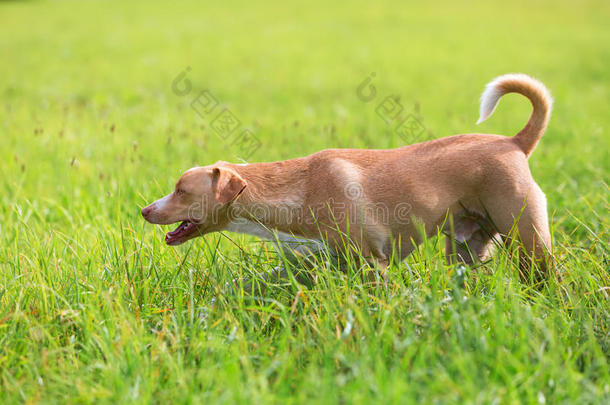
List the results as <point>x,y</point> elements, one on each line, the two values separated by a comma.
<point>198,202</point>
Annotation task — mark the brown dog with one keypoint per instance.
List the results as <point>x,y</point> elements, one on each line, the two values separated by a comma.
<point>476,187</point>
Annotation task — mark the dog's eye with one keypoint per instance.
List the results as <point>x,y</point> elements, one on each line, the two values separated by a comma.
<point>179,191</point>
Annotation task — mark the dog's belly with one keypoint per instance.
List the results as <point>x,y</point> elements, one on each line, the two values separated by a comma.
<point>286,242</point>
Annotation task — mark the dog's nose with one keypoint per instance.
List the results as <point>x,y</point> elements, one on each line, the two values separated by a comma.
<point>146,210</point>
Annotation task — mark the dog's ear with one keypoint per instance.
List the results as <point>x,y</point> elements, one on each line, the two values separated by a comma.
<point>229,185</point>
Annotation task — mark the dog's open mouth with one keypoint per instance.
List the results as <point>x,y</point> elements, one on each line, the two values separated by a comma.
<point>181,234</point>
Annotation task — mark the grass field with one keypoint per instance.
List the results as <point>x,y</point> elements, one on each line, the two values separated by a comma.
<point>95,308</point>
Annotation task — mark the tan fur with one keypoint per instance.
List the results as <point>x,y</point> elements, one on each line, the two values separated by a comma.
<point>375,200</point>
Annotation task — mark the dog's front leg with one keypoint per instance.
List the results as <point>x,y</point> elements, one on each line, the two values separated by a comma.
<point>300,254</point>
<point>278,273</point>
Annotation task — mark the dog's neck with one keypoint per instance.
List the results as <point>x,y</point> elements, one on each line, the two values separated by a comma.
<point>274,194</point>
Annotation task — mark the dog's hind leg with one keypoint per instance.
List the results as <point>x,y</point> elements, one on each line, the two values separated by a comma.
<point>529,213</point>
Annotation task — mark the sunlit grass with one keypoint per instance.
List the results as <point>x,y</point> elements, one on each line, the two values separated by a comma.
<point>94,307</point>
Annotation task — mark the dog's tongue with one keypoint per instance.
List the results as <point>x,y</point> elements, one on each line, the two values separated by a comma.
<point>183,229</point>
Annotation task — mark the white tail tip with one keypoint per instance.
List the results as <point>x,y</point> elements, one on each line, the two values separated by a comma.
<point>489,99</point>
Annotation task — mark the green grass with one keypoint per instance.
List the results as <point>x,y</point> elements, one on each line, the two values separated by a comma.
<point>95,308</point>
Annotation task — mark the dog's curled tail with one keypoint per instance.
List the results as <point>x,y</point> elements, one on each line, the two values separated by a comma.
<point>535,91</point>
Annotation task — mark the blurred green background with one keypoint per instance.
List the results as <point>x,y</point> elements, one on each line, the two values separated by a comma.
<point>92,131</point>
